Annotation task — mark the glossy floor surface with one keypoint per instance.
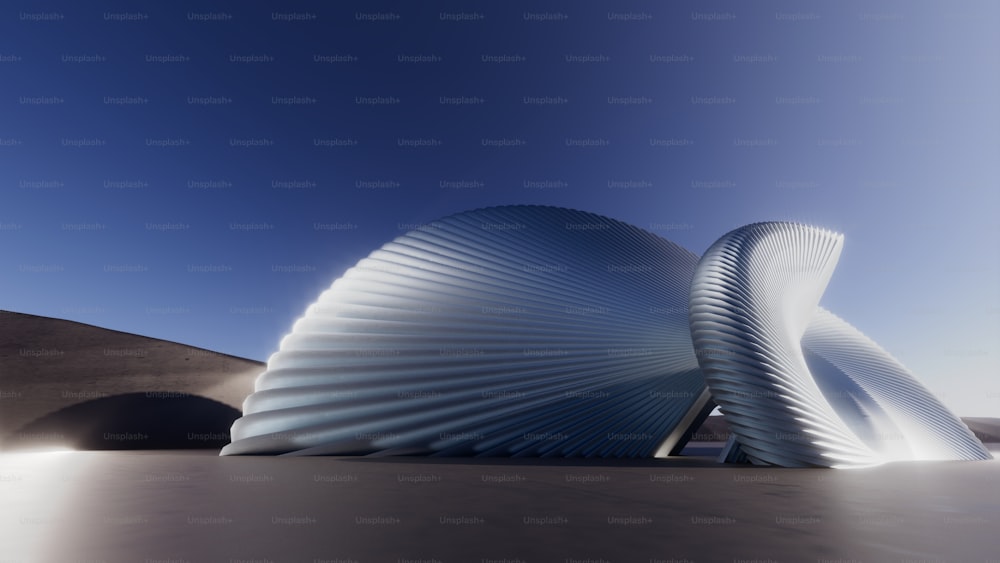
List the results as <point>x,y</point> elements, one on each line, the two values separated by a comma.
<point>192,506</point>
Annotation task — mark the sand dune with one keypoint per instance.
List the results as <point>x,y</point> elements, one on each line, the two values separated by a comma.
<point>69,383</point>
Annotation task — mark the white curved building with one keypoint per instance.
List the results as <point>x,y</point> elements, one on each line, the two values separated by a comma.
<point>797,385</point>
<point>542,331</point>
<point>510,331</point>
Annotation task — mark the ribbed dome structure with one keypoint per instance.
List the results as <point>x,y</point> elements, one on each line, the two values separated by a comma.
<point>507,331</point>
<point>797,385</point>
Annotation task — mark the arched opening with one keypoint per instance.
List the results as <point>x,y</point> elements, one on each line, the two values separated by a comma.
<point>132,421</point>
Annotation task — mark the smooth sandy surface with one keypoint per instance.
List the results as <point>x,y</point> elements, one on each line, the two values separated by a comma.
<point>192,506</point>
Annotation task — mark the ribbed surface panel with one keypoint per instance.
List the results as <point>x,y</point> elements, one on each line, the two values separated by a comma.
<point>798,386</point>
<point>507,331</point>
<point>888,408</point>
<point>752,296</point>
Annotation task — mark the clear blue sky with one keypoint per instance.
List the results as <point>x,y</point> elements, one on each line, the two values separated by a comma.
<point>877,119</point>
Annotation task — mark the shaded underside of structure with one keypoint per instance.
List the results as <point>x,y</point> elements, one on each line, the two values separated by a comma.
<point>132,421</point>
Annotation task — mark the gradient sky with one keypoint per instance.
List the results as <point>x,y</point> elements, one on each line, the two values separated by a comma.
<point>164,167</point>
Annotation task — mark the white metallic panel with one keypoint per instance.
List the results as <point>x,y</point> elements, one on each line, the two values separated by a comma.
<point>797,385</point>
<point>520,330</point>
